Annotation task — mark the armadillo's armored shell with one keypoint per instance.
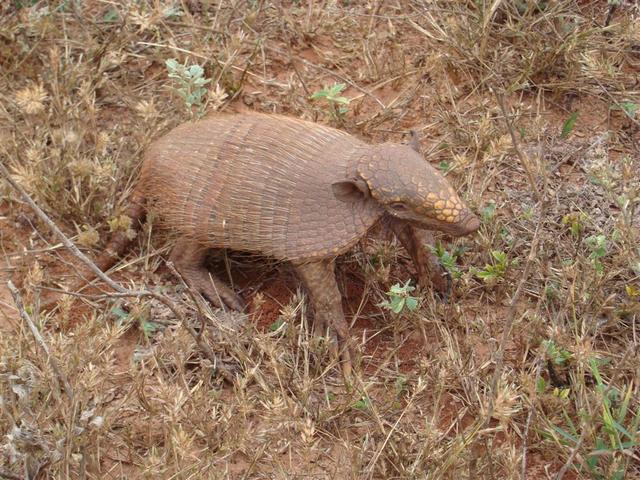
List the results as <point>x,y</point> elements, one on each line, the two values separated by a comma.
<point>258,183</point>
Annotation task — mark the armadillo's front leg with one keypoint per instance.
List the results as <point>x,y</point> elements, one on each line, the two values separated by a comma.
<point>417,243</point>
<point>320,280</point>
<point>188,258</point>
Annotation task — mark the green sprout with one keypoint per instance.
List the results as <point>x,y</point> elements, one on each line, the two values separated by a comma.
<point>400,298</point>
<point>338,106</point>
<point>190,81</point>
<point>492,273</point>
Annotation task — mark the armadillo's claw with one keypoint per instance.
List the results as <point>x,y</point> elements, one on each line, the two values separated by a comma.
<point>188,258</point>
<point>341,350</point>
<point>446,293</point>
<point>233,300</point>
<point>329,317</point>
<point>438,279</point>
<point>347,367</point>
<point>214,290</point>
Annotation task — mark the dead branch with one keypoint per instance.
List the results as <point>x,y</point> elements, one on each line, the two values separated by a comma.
<point>39,340</point>
<point>170,304</point>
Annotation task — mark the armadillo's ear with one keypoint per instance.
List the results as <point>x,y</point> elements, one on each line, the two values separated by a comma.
<point>414,141</point>
<point>350,190</point>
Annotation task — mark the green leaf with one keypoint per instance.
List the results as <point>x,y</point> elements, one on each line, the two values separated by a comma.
<point>276,325</point>
<point>172,64</point>
<point>565,434</point>
<point>319,94</point>
<point>486,274</point>
<point>568,125</point>
<point>362,404</point>
<point>397,304</point>
<point>412,303</point>
<point>196,70</point>
<point>500,257</point>
<point>489,212</point>
<point>149,328</point>
<point>541,385</point>
<point>111,15</point>
<point>336,89</point>
<point>622,430</point>
<point>630,108</point>
<point>199,82</point>
<point>119,313</point>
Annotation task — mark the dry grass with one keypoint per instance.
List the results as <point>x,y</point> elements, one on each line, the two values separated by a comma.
<point>531,372</point>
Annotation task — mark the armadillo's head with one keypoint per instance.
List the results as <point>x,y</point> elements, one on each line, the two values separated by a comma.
<point>409,188</point>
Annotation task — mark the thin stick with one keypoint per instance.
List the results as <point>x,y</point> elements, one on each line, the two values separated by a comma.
<point>170,304</point>
<point>524,160</point>
<point>39,340</point>
<point>572,455</point>
<point>62,237</point>
<point>527,268</point>
<point>511,318</point>
<point>525,435</point>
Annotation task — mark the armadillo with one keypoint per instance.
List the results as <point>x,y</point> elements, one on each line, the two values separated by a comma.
<point>293,190</point>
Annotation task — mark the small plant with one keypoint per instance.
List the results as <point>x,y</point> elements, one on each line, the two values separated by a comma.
<point>493,273</point>
<point>400,298</point>
<point>615,430</point>
<point>137,314</point>
<point>556,354</point>
<point>444,166</point>
<point>363,404</point>
<point>598,246</point>
<point>575,222</point>
<point>338,106</point>
<point>190,81</point>
<point>276,325</point>
<point>569,123</point>
<point>488,213</point>
<point>630,108</point>
<point>448,260</point>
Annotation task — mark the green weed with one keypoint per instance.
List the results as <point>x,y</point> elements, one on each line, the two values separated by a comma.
<point>400,298</point>
<point>497,270</point>
<point>337,105</point>
<point>612,426</point>
<point>190,84</point>
<point>598,246</point>
<point>448,260</point>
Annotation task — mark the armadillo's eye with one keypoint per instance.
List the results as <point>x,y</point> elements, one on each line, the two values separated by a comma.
<point>398,207</point>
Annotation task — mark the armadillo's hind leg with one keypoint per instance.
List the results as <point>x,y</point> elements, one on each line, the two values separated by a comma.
<point>320,280</point>
<point>188,257</point>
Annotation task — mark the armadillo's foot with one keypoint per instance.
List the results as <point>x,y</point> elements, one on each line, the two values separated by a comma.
<point>320,280</point>
<point>188,258</point>
<point>436,276</point>
<point>418,245</point>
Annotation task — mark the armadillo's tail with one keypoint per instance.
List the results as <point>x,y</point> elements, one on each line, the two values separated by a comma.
<point>116,247</point>
<point>121,238</point>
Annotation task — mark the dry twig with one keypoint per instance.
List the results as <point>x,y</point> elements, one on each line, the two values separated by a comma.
<point>39,340</point>
<point>226,373</point>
